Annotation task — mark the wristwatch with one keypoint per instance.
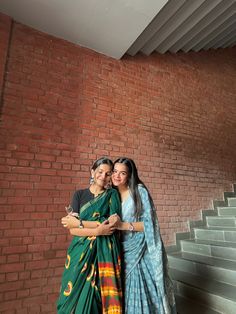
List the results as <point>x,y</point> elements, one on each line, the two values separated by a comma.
<point>81,226</point>
<point>131,227</point>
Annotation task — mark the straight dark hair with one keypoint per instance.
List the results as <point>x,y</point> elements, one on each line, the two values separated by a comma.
<point>133,183</point>
<point>102,161</point>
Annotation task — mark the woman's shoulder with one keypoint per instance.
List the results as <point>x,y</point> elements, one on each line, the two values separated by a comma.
<point>113,191</point>
<point>142,188</point>
<point>143,191</point>
<point>80,192</point>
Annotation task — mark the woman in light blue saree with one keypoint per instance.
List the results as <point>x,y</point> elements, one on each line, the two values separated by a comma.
<point>147,286</point>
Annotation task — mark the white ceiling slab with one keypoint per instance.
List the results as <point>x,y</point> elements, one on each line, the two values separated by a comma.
<point>106,26</point>
<point>117,27</point>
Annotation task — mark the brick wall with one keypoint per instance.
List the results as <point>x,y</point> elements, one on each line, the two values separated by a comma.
<point>64,106</point>
<point>5,30</point>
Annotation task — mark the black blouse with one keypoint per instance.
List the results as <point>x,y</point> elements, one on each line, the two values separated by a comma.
<point>80,198</point>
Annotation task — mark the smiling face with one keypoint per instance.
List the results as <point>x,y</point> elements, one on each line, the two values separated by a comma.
<point>120,175</point>
<point>102,175</point>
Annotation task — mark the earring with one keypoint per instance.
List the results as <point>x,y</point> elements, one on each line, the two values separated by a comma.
<point>91,180</point>
<point>108,186</point>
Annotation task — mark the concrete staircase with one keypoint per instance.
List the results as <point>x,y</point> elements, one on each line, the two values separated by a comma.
<point>203,264</point>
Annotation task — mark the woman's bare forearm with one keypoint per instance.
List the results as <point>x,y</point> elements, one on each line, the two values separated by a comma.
<point>127,226</point>
<point>83,232</point>
<point>103,229</point>
<point>90,224</point>
<point>71,222</point>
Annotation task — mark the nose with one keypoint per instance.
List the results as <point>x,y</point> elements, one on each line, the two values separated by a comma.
<point>103,175</point>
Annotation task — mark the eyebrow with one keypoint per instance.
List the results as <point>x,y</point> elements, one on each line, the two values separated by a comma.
<point>123,171</point>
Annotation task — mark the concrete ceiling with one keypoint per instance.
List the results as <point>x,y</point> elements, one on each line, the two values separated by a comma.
<point>116,27</point>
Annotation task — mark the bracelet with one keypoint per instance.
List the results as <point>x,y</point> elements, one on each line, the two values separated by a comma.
<point>131,227</point>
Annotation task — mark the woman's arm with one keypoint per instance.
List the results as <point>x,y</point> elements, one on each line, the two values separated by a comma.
<point>103,229</point>
<point>124,225</point>
<point>134,226</point>
<point>70,221</point>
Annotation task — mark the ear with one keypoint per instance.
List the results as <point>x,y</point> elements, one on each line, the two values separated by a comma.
<point>92,173</point>
<point>109,185</point>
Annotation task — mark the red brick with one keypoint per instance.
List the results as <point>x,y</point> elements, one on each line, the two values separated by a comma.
<point>6,307</point>
<point>35,283</point>
<point>14,249</point>
<point>16,232</point>
<point>38,247</point>
<point>19,200</point>
<point>2,278</point>
<point>19,216</point>
<point>24,275</point>
<point>35,300</point>
<point>10,296</point>
<point>12,277</point>
<point>36,264</point>
<point>23,293</point>
<point>11,286</point>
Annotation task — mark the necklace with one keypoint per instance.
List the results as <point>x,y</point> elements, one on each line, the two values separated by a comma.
<point>94,191</point>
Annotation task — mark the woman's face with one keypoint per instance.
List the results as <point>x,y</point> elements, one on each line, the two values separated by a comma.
<point>120,175</point>
<point>102,175</point>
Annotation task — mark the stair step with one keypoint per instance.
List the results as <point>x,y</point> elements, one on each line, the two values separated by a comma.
<point>227,211</point>
<point>219,221</point>
<point>213,297</point>
<point>209,260</point>
<point>232,201</point>
<point>218,249</point>
<point>186,306</point>
<point>212,286</point>
<point>204,271</point>
<point>216,233</point>
<point>208,267</point>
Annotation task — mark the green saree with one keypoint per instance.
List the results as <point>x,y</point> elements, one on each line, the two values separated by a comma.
<point>91,282</point>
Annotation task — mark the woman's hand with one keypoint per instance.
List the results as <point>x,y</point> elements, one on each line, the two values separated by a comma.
<point>115,220</point>
<point>105,228</point>
<point>70,222</point>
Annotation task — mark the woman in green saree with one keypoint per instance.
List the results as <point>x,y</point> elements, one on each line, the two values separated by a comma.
<point>91,282</point>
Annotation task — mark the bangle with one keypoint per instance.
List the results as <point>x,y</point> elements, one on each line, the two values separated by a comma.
<point>81,226</point>
<point>131,227</point>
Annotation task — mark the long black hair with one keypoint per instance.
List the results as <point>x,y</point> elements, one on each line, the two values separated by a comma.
<point>102,161</point>
<point>133,182</point>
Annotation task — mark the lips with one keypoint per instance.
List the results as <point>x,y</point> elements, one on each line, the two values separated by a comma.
<point>101,181</point>
<point>116,181</point>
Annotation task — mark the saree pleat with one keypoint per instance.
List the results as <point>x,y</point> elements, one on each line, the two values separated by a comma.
<point>91,280</point>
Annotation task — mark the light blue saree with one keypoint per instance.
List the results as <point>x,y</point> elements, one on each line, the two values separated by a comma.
<point>148,288</point>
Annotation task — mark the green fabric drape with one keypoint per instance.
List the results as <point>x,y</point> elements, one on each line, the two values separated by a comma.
<point>91,280</point>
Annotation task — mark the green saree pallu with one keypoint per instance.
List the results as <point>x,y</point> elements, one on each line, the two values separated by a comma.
<point>91,282</point>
